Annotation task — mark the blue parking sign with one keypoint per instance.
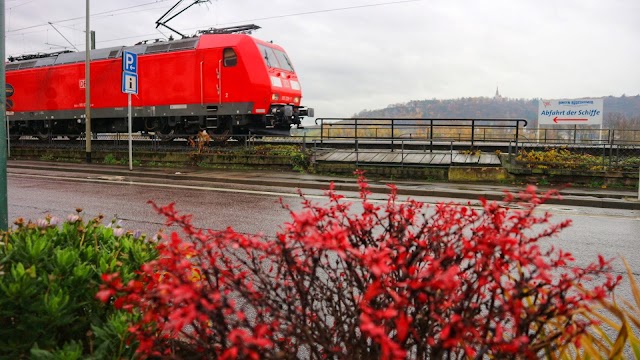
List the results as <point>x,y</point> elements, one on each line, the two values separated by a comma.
<point>130,62</point>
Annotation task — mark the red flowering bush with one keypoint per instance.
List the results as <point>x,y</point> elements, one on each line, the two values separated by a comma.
<point>398,280</point>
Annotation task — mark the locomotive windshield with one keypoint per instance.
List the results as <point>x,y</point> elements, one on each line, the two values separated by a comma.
<point>275,58</point>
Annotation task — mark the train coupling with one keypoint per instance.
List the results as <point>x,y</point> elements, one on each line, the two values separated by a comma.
<point>288,111</point>
<point>282,110</point>
<point>307,112</point>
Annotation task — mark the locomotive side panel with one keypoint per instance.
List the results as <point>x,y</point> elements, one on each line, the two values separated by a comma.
<point>234,85</point>
<point>163,79</point>
<point>47,98</point>
<point>105,86</point>
<point>225,81</point>
<point>168,79</point>
<point>242,80</point>
<point>47,88</point>
<point>257,76</point>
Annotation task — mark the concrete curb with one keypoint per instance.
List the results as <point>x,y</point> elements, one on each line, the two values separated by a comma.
<point>610,200</point>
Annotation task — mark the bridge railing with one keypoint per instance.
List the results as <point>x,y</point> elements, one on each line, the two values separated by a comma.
<point>585,156</point>
<point>450,129</point>
<point>480,130</point>
<point>575,135</point>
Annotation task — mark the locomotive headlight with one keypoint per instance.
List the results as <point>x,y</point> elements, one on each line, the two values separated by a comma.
<point>275,97</point>
<point>296,100</point>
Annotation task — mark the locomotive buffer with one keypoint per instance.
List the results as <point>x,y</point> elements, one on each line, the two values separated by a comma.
<point>130,86</point>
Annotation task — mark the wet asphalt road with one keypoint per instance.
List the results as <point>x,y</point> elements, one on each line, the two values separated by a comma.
<point>250,209</point>
<point>33,198</point>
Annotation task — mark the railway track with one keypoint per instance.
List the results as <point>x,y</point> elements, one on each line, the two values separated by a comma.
<point>184,143</point>
<point>117,141</point>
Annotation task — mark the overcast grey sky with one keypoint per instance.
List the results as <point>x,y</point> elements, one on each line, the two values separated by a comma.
<point>352,55</point>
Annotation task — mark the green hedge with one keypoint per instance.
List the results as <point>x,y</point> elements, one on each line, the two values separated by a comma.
<point>50,272</point>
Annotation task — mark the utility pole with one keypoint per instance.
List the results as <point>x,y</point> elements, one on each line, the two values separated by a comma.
<point>87,89</point>
<point>4,208</point>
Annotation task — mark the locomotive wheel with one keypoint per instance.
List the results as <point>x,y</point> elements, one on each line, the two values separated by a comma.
<point>165,135</point>
<point>43,135</point>
<point>221,137</point>
<point>222,133</point>
<point>161,129</point>
<point>73,132</point>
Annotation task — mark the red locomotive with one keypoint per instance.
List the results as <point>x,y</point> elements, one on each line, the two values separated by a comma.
<point>226,82</point>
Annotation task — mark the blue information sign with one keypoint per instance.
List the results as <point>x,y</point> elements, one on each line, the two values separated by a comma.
<point>129,72</point>
<point>129,82</point>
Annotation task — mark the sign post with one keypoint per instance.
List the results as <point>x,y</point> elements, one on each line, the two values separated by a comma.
<point>87,88</point>
<point>9,91</point>
<point>4,145</point>
<point>130,86</point>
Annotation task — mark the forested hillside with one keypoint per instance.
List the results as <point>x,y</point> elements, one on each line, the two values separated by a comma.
<point>619,112</point>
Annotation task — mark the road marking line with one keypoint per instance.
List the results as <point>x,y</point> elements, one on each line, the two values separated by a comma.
<point>193,187</point>
<point>188,187</point>
<point>545,207</point>
<point>130,182</point>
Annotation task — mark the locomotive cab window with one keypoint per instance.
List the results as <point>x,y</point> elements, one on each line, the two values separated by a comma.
<point>285,63</point>
<point>275,58</point>
<point>230,57</point>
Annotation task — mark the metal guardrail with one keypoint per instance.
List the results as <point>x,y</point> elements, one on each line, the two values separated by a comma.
<point>453,129</point>
<point>481,131</point>
<point>591,156</point>
<point>577,135</point>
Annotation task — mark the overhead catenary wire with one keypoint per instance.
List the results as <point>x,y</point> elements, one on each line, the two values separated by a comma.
<point>104,14</point>
<point>82,17</point>
<point>16,32</point>
<point>58,31</point>
<point>273,17</point>
<point>18,5</point>
<point>325,11</point>
<point>279,17</point>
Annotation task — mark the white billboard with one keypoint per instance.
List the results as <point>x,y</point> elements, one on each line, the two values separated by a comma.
<point>570,112</point>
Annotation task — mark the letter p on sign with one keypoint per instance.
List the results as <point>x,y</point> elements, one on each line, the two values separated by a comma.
<point>130,62</point>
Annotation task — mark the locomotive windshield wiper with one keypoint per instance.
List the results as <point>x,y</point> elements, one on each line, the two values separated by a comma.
<point>266,57</point>
<point>288,62</point>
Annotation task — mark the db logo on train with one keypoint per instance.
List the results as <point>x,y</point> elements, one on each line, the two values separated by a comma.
<point>9,93</point>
